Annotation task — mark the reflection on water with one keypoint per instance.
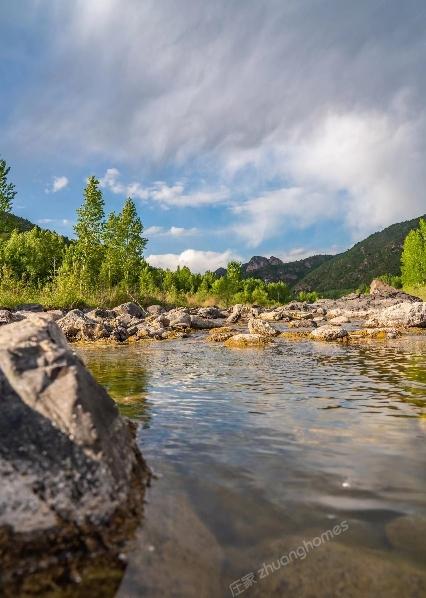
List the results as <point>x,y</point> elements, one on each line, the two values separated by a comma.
<point>258,449</point>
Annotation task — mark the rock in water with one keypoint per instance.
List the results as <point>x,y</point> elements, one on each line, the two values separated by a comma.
<point>71,477</point>
<point>261,327</point>
<point>199,323</point>
<point>78,327</point>
<point>403,314</point>
<point>329,333</point>
<point>247,340</point>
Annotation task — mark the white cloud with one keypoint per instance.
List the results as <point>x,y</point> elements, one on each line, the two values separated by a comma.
<point>173,231</point>
<point>110,181</point>
<point>58,183</point>
<point>162,193</point>
<point>365,169</point>
<point>370,165</point>
<point>197,261</point>
<point>268,214</point>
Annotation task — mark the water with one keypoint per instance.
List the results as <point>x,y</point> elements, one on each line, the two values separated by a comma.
<point>258,450</point>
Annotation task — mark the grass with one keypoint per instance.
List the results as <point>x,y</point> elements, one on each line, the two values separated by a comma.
<point>417,292</point>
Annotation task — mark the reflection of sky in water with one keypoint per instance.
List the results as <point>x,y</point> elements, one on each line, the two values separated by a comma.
<point>265,442</point>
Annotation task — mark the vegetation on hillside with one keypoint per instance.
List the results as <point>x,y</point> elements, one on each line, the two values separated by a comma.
<point>413,260</point>
<point>378,254</point>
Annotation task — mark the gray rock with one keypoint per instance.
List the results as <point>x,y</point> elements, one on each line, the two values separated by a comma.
<point>378,288</point>
<point>77,327</point>
<point>35,307</point>
<point>406,314</point>
<point>209,313</point>
<point>6,317</point>
<point>155,310</point>
<point>261,327</point>
<point>328,333</point>
<point>179,318</point>
<point>132,309</point>
<point>72,479</point>
<point>200,323</point>
<point>101,314</point>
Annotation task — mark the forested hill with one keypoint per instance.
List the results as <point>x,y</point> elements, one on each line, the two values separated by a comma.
<point>378,254</point>
<point>12,222</point>
<point>273,269</point>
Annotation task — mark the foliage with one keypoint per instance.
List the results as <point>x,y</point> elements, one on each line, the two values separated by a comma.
<point>33,256</point>
<point>104,265</point>
<point>393,281</point>
<point>368,259</point>
<point>7,190</point>
<point>413,260</point>
<point>7,195</point>
<point>309,296</point>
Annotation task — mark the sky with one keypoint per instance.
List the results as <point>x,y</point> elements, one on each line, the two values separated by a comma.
<point>239,127</point>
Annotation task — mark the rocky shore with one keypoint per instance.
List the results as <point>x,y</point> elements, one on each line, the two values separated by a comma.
<point>72,478</point>
<point>384,313</point>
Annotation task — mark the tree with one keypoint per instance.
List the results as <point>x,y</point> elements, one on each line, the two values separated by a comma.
<point>233,271</point>
<point>33,256</point>
<point>87,254</point>
<point>124,245</point>
<point>7,195</point>
<point>413,259</point>
<point>7,190</point>
<point>278,291</point>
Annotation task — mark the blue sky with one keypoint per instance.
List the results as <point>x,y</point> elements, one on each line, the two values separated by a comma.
<point>272,127</point>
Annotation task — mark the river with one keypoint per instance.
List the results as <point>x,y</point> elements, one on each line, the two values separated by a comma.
<point>260,452</point>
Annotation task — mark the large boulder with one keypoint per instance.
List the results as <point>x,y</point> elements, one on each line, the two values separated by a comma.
<point>406,314</point>
<point>210,312</point>
<point>131,309</point>
<point>78,327</point>
<point>71,477</point>
<point>199,323</point>
<point>261,327</point>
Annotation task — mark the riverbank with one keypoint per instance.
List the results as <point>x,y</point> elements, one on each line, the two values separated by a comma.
<point>384,313</point>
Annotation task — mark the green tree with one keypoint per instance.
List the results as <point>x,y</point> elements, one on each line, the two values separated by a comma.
<point>7,194</point>
<point>413,259</point>
<point>33,256</point>
<point>233,271</point>
<point>124,246</point>
<point>87,255</point>
<point>278,291</point>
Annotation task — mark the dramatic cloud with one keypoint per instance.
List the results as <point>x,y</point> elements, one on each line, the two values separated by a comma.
<point>280,113</point>
<point>197,261</point>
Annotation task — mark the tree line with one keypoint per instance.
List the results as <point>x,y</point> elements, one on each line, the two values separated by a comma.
<point>105,263</point>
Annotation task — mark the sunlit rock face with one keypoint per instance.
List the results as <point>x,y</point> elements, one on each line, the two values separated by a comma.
<point>71,478</point>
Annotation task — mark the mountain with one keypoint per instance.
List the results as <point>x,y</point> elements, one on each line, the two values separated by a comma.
<point>378,254</point>
<point>273,269</point>
<point>12,222</point>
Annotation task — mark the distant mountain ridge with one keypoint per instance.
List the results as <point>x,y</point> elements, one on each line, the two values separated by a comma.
<point>378,254</point>
<point>273,269</point>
